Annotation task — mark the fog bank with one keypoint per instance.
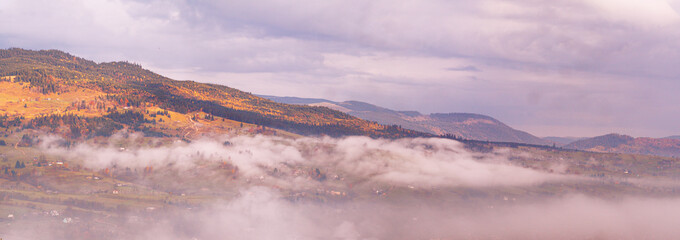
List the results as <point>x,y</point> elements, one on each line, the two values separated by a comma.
<point>419,161</point>
<point>262,213</point>
<point>469,195</point>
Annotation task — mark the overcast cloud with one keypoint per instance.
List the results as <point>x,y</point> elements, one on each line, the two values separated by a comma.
<point>579,67</point>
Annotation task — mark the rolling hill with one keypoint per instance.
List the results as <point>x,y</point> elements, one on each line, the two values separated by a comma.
<point>673,137</point>
<point>465,125</point>
<point>561,141</point>
<point>616,143</point>
<point>53,90</point>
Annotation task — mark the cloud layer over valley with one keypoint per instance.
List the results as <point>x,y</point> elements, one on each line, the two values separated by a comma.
<point>431,162</point>
<point>385,189</point>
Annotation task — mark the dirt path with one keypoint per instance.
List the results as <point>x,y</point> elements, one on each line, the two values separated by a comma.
<point>194,126</point>
<point>17,148</point>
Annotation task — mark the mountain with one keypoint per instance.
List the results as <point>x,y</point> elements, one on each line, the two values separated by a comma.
<point>561,141</point>
<point>673,137</point>
<point>617,143</point>
<point>481,127</point>
<point>465,125</point>
<point>605,141</point>
<point>55,91</point>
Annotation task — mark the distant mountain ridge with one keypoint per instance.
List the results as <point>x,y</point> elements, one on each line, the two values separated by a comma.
<point>673,137</point>
<point>617,143</point>
<point>561,141</point>
<point>606,141</point>
<point>466,125</point>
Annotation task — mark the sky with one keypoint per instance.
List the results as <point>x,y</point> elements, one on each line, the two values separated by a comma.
<point>552,68</point>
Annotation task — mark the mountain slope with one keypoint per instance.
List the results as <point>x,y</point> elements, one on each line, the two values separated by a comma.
<point>673,137</point>
<point>617,143</point>
<point>99,90</point>
<point>466,125</point>
<point>561,141</point>
<point>605,141</point>
<point>481,127</point>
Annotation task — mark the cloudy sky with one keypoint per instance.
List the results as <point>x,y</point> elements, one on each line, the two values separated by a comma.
<point>551,67</point>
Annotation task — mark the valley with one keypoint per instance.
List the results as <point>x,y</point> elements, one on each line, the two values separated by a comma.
<point>104,150</point>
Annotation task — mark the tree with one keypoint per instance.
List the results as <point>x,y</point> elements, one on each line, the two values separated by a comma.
<point>17,164</point>
<point>75,131</point>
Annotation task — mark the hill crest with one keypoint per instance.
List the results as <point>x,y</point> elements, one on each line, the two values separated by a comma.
<point>123,86</point>
<point>617,143</point>
<point>465,125</point>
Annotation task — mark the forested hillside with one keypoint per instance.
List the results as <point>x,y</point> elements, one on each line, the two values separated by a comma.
<point>57,90</point>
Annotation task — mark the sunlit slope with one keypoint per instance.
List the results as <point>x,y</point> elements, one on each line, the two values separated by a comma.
<point>94,90</point>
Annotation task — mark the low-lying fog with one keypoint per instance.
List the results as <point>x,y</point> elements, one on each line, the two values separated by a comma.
<point>443,167</point>
<point>420,161</point>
